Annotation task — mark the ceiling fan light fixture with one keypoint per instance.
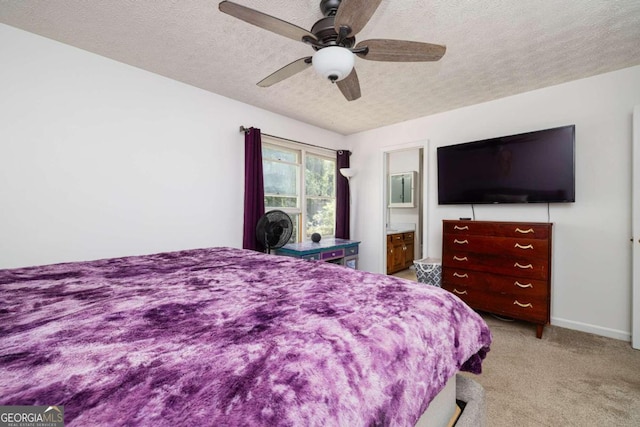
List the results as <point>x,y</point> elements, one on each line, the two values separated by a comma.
<point>334,62</point>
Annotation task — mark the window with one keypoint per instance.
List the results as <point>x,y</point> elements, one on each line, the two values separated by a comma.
<point>300,181</point>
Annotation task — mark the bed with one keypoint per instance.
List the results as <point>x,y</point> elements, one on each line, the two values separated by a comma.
<point>224,336</point>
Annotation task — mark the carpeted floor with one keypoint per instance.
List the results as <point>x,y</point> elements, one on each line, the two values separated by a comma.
<point>568,378</point>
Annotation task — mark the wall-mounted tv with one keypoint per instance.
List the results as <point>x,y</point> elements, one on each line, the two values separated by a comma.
<point>532,167</point>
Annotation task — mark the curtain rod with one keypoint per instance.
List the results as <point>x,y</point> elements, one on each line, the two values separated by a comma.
<point>245,130</point>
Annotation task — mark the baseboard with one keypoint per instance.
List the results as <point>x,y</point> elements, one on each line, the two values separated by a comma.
<point>592,329</point>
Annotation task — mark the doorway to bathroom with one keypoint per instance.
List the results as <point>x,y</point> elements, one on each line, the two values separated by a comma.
<point>403,204</point>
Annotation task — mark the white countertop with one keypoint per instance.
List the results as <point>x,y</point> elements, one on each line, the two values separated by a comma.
<point>400,228</point>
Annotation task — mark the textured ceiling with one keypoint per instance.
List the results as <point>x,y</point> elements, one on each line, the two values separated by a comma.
<point>495,48</point>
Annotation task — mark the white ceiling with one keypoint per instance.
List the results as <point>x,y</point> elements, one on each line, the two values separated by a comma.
<point>495,48</point>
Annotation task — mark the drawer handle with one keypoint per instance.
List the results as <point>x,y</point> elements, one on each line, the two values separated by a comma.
<point>528,230</point>
<point>519,304</point>
<point>520,285</point>
<point>464,258</point>
<point>464,275</point>
<point>457,227</point>
<point>461,242</point>
<point>519,246</point>
<point>523,266</point>
<point>455,291</point>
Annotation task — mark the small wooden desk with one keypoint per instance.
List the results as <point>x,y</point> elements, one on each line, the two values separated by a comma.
<point>338,251</point>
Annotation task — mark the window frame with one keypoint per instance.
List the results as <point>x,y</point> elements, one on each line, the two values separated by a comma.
<point>303,151</point>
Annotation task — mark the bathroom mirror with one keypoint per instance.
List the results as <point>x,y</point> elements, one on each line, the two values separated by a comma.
<point>402,190</point>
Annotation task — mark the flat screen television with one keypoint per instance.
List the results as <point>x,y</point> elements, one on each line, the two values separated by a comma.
<point>532,167</point>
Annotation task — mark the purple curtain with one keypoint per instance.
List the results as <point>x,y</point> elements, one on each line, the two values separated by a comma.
<point>342,196</point>
<point>253,188</point>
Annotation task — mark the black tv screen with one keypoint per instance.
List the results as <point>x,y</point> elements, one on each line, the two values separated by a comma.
<point>532,167</point>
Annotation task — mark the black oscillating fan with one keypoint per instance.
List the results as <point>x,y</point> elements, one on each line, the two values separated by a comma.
<point>274,229</point>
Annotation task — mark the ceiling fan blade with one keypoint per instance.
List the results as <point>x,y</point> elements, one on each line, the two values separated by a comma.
<point>265,21</point>
<point>285,72</point>
<point>355,14</point>
<point>400,50</point>
<point>350,86</point>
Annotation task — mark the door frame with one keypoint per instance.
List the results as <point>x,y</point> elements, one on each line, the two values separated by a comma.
<point>635,230</point>
<point>385,152</point>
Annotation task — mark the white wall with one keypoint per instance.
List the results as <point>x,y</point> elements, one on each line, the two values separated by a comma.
<point>100,159</point>
<point>591,280</point>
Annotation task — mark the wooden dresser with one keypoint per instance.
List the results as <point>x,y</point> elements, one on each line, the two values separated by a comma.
<point>500,267</point>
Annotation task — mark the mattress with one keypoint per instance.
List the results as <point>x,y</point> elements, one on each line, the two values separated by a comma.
<point>224,336</point>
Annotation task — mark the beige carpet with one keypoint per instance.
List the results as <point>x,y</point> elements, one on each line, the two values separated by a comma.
<point>567,378</point>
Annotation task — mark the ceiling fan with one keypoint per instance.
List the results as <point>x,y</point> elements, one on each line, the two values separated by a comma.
<point>333,39</point>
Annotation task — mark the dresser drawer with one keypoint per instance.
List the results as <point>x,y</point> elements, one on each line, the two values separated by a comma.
<point>527,230</point>
<point>516,286</point>
<point>333,254</point>
<point>521,248</point>
<point>498,265</point>
<point>534,309</point>
<point>396,237</point>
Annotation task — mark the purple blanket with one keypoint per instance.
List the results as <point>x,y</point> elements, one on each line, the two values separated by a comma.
<point>227,337</point>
